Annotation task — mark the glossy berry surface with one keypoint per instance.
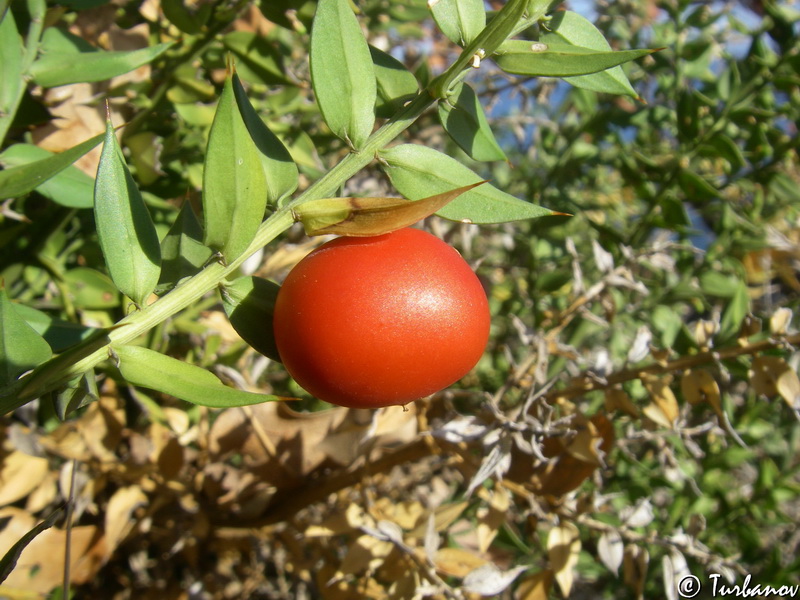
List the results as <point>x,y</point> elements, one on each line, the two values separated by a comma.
<point>379,321</point>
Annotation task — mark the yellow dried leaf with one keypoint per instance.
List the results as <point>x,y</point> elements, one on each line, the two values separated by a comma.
<point>405,514</point>
<point>20,474</point>
<point>444,516</point>
<point>492,517</point>
<point>44,495</point>
<point>563,548</point>
<point>704,332</point>
<point>365,554</point>
<point>585,445</point>
<point>118,521</point>
<point>772,376</point>
<point>699,386</point>
<point>457,562</point>
<point>779,321</point>
<point>663,399</point>
<point>616,399</point>
<point>40,567</point>
<point>535,587</point>
<point>634,568</point>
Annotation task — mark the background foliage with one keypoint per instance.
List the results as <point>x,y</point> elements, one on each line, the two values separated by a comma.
<point>634,420</point>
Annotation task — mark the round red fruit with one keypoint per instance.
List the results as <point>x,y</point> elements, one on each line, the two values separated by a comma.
<point>379,321</point>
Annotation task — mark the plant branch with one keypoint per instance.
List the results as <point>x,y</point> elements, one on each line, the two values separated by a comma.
<point>588,383</point>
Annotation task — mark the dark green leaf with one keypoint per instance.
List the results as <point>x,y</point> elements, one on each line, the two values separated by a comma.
<point>695,186</point>
<point>537,59</point>
<point>341,72</point>
<point>279,169</point>
<point>418,172</point>
<point>184,18</point>
<point>58,333</point>
<point>77,394</point>
<point>734,312</point>
<point>66,59</point>
<point>234,186</point>
<point>463,119</point>
<point>257,59</point>
<point>124,227</point>
<point>396,84</point>
<point>21,179</point>
<point>250,303</point>
<point>460,20</point>
<point>182,251</point>
<point>156,371</point>
<point>21,348</point>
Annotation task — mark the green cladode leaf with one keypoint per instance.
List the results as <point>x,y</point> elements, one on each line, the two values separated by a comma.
<point>153,370</point>
<point>462,117</point>
<point>418,172</point>
<point>66,58</point>
<point>29,169</point>
<point>460,20</point>
<point>11,80</point>
<point>537,59</point>
<point>234,185</point>
<point>126,232</point>
<point>21,348</point>
<point>182,251</point>
<point>396,84</point>
<point>250,303</point>
<point>570,27</point>
<point>341,72</point>
<point>280,170</point>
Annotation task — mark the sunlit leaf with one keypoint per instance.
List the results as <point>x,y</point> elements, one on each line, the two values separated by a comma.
<point>23,175</point>
<point>66,59</point>
<point>563,548</point>
<point>538,59</point>
<point>570,27</point>
<point>419,171</point>
<point>124,227</point>
<point>234,184</point>
<point>280,171</point>
<point>341,72</point>
<point>21,348</point>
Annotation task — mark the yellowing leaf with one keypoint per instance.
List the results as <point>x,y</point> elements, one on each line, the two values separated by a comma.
<point>563,547</point>
<point>535,587</point>
<point>457,562</point>
<point>772,376</point>
<point>616,399</point>
<point>663,400</point>
<point>700,386</point>
<point>119,512</point>
<point>363,217</point>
